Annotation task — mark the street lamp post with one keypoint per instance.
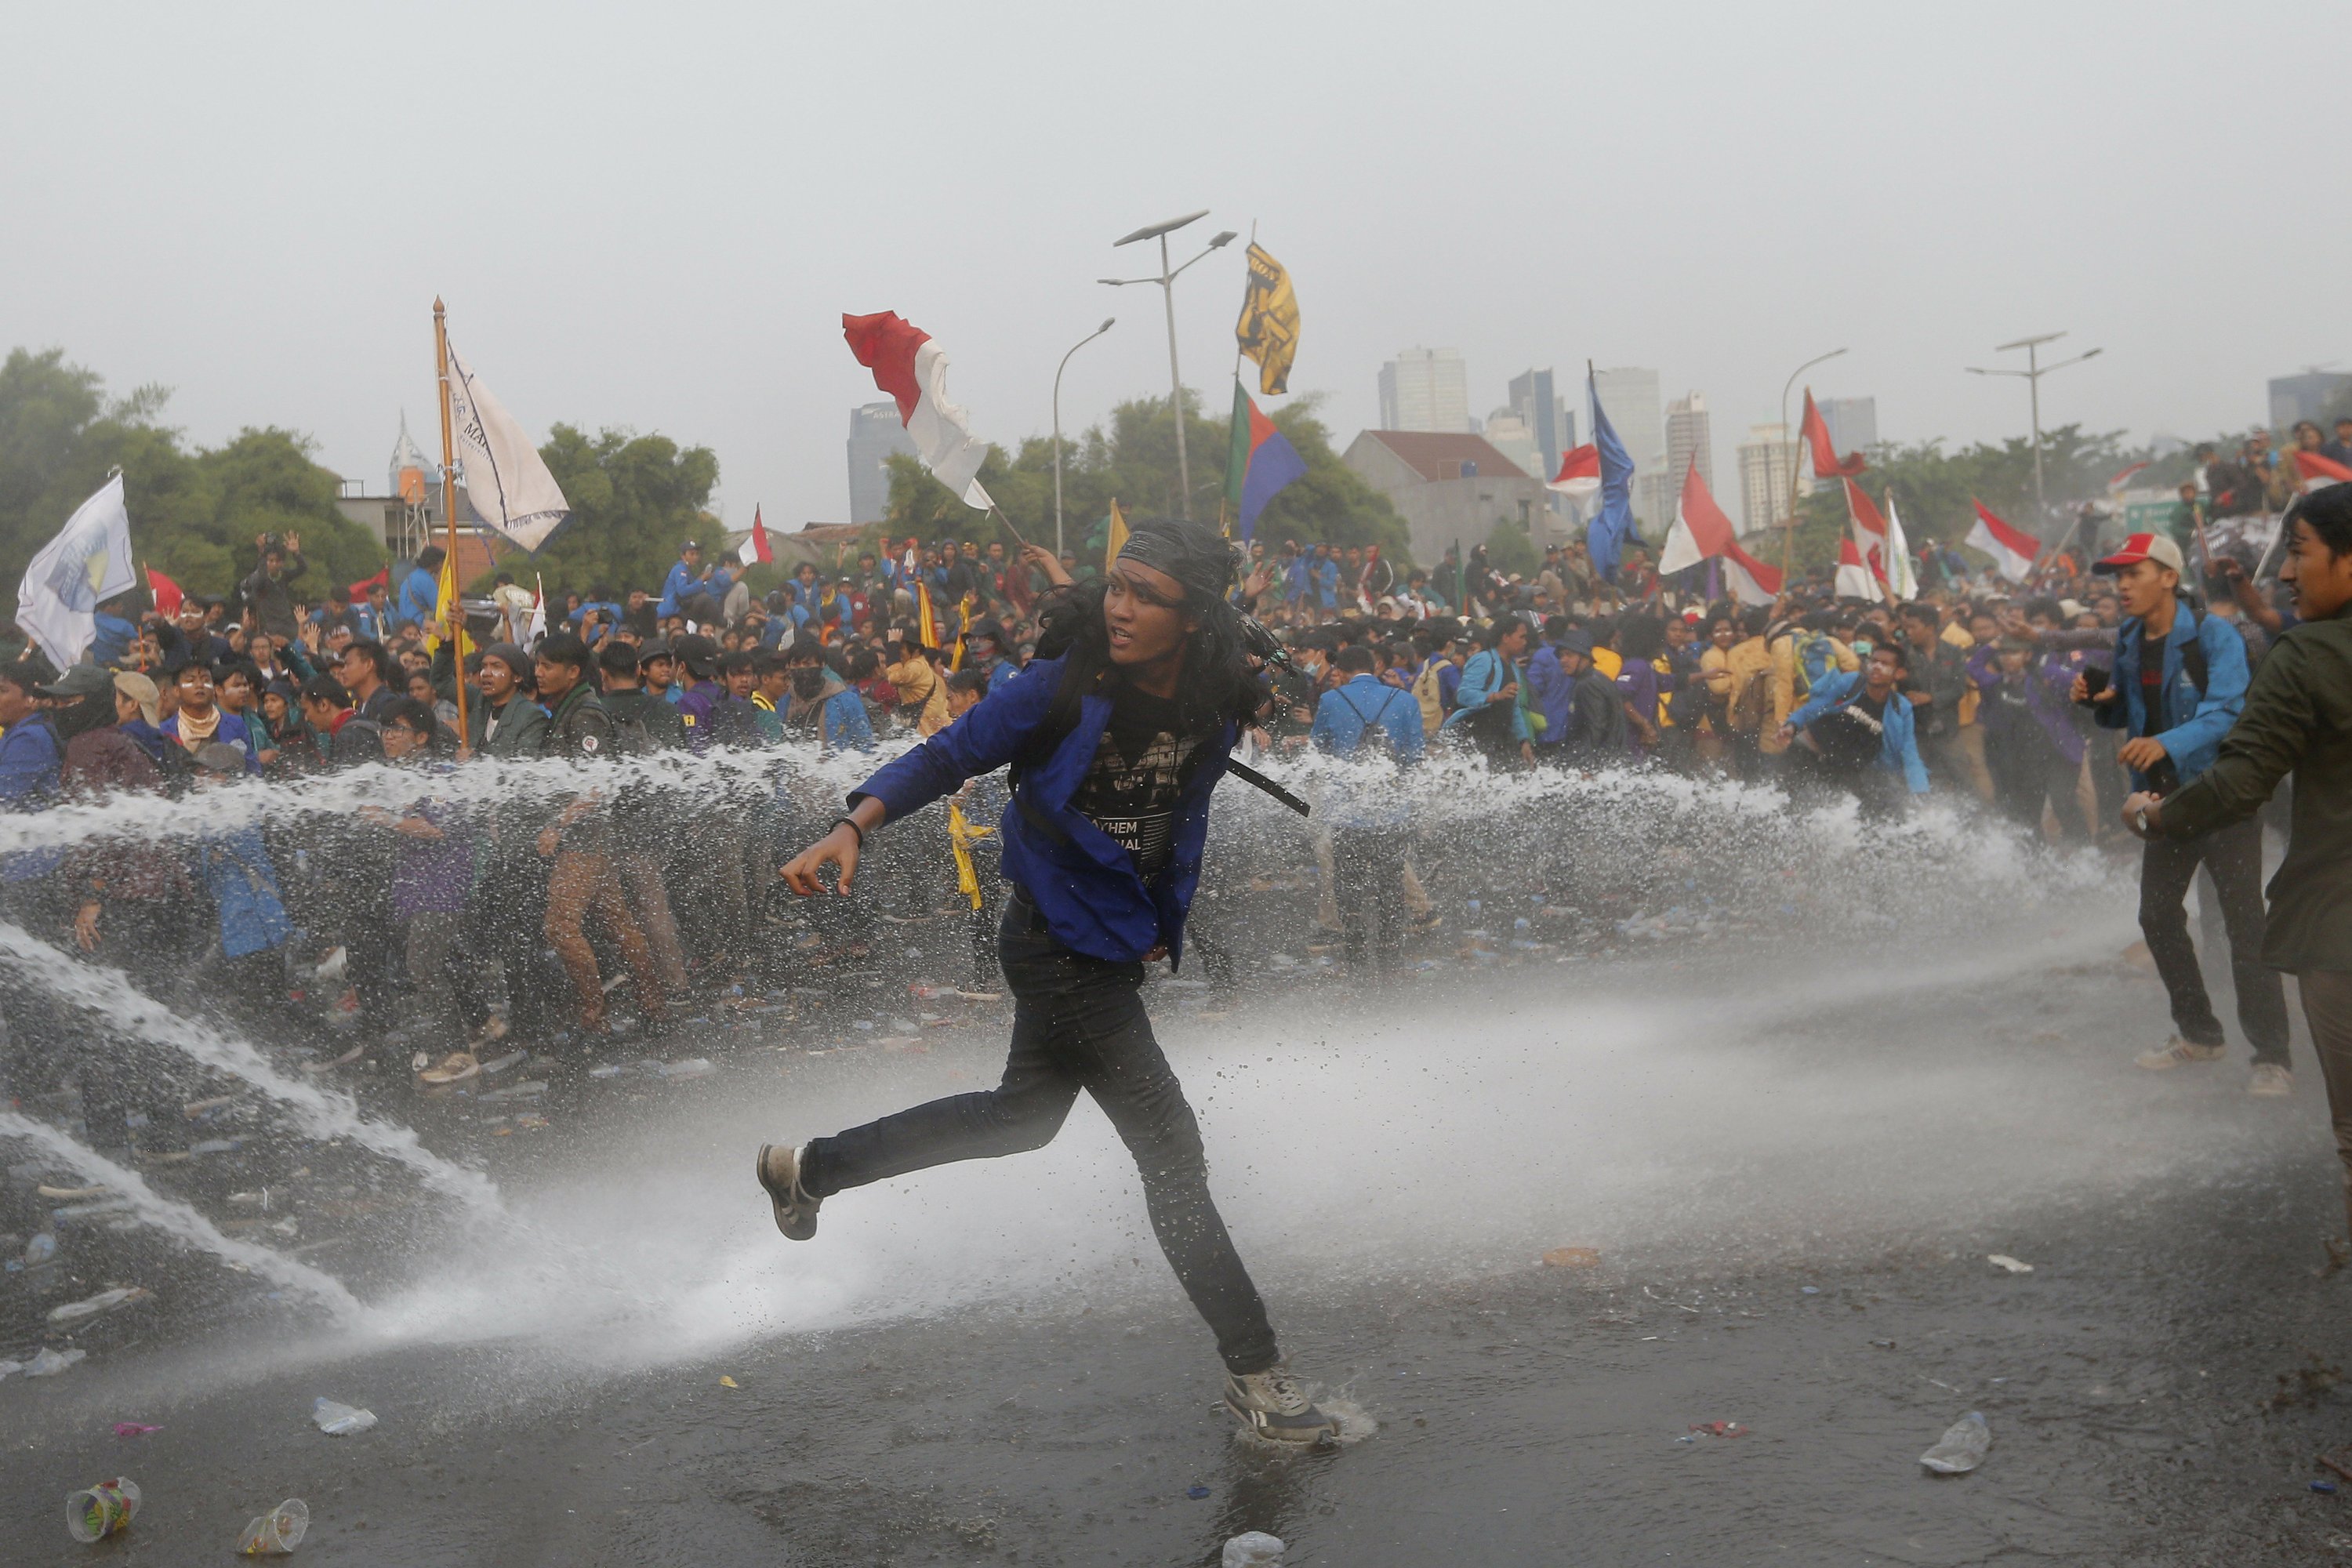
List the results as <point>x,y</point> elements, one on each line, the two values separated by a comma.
<point>1074,347</point>
<point>1788,540</point>
<point>1167,281</point>
<point>2031,375</point>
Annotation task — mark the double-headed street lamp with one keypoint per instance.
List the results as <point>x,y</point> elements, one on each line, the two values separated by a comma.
<point>2033,374</point>
<point>1167,281</point>
<point>1788,540</point>
<point>1108,323</point>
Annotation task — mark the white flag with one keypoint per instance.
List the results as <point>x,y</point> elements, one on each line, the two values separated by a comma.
<point>86,564</point>
<point>505,477</point>
<point>1902,571</point>
<point>538,627</point>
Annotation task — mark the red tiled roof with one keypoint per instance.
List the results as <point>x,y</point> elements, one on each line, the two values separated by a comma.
<point>1439,455</point>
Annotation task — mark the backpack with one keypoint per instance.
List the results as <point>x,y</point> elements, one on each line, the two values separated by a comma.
<point>1816,656</point>
<point>1373,732</point>
<point>1428,691</point>
<point>1751,705</point>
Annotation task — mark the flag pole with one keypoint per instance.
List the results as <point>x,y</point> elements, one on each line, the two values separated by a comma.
<point>449,505</point>
<point>1795,450</point>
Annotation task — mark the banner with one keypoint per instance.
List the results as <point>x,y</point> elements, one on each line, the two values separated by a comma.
<point>1268,329</point>
<point>506,479</point>
<point>86,564</point>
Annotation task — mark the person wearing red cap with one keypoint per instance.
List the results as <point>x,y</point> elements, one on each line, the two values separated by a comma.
<point>2179,683</point>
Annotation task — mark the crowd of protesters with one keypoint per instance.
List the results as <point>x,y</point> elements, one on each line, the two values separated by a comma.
<point>2045,703</point>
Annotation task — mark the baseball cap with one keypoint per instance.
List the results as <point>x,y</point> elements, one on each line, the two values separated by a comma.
<point>2142,547</point>
<point>78,680</point>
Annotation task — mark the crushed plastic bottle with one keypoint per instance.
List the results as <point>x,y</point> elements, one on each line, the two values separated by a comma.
<point>105,1301</point>
<point>1962,1449</point>
<point>277,1533</point>
<point>47,1363</point>
<point>1255,1549</point>
<point>340,1420</point>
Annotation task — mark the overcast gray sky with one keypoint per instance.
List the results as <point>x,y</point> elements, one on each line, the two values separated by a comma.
<point>653,216</point>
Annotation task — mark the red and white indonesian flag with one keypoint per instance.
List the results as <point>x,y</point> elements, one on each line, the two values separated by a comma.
<point>1868,533</point>
<point>1579,474</point>
<point>1827,464</point>
<point>1702,533</point>
<point>2318,473</point>
<point>911,368</point>
<point>2012,550</point>
<point>1854,579</point>
<point>755,547</point>
<point>2117,482</point>
<point>1901,567</point>
<point>537,630</point>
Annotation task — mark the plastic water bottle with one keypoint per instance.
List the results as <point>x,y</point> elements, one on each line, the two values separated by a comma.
<point>1962,1449</point>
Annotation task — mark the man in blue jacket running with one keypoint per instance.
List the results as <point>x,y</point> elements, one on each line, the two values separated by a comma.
<point>1115,744</point>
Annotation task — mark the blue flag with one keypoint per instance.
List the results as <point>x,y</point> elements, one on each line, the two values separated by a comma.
<point>1613,525</point>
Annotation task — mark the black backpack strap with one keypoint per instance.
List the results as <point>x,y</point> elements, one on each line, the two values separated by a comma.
<point>1250,776</point>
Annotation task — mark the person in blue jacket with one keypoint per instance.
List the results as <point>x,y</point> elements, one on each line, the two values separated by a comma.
<point>420,591</point>
<point>2178,684</point>
<point>1363,718</point>
<point>1857,731</point>
<point>1116,740</point>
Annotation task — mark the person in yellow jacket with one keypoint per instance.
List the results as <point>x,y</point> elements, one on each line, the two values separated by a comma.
<point>921,691</point>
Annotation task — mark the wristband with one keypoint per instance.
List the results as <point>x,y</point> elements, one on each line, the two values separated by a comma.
<point>851,823</point>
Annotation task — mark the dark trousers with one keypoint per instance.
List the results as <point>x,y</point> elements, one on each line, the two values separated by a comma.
<point>2234,855</point>
<point>1368,876</point>
<point>2327,1009</point>
<point>1077,1023</point>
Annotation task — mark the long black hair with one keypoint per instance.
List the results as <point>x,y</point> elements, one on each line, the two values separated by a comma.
<point>1218,683</point>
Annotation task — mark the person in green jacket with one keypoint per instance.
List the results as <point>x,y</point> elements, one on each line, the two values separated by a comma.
<point>2297,719</point>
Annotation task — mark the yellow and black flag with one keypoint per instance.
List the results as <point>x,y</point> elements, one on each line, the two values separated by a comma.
<point>1268,329</point>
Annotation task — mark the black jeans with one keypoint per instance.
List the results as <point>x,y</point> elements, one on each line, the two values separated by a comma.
<point>1368,874</point>
<point>2234,857</point>
<point>1077,1023</point>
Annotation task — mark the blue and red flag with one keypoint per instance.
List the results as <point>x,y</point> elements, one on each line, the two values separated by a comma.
<point>1261,462</point>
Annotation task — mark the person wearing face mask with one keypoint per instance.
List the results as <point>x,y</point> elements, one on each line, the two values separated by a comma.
<point>1116,735</point>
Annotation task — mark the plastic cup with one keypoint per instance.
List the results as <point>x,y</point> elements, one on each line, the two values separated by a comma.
<point>98,1512</point>
<point>277,1533</point>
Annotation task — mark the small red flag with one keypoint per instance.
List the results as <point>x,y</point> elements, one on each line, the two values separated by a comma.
<point>167,592</point>
<point>1827,464</point>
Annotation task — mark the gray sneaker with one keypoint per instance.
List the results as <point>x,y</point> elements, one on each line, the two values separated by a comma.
<point>779,1170</point>
<point>2177,1052</point>
<point>2271,1080</point>
<point>1272,1404</point>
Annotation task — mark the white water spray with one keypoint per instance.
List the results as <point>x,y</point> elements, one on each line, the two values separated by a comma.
<point>322,1113</point>
<point>178,1219</point>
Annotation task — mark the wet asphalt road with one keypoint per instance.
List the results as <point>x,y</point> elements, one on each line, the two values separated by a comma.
<point>2158,1387</point>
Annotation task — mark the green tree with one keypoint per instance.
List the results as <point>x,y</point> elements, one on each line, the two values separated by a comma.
<point>1510,550</point>
<point>634,500</point>
<point>194,515</point>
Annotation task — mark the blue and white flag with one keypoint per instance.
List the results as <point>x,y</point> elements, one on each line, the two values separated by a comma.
<point>86,564</point>
<point>1613,525</point>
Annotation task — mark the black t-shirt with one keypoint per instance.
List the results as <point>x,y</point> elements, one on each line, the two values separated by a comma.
<point>2151,680</point>
<point>1851,735</point>
<point>1138,770</point>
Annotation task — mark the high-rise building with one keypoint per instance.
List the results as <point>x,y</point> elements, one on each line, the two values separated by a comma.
<point>1509,435</point>
<point>2305,397</point>
<point>1629,397</point>
<point>1853,422</point>
<point>875,434</point>
<point>1425,389</point>
<point>1766,467</point>
<point>1546,415</point>
<point>1690,437</point>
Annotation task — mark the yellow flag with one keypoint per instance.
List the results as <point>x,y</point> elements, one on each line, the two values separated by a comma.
<point>1268,329</point>
<point>441,602</point>
<point>1115,538</point>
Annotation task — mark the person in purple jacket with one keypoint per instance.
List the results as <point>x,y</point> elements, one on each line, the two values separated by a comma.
<point>1115,739</point>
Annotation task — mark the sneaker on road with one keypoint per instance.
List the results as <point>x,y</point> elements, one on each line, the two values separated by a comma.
<point>2271,1080</point>
<point>2177,1052</point>
<point>1272,1404</point>
<point>779,1174</point>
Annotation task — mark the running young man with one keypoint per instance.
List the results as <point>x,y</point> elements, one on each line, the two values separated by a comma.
<point>1115,745</point>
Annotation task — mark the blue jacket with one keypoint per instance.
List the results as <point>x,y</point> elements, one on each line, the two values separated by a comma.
<point>1348,710</point>
<point>843,724</point>
<point>1486,673</point>
<point>30,758</point>
<point>420,599</point>
<point>1898,744</point>
<point>244,885</point>
<point>1552,692</point>
<point>2190,723</point>
<point>1081,880</point>
<point>113,638</point>
<point>1327,583</point>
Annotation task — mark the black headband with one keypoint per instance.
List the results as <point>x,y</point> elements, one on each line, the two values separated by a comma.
<point>1194,555</point>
